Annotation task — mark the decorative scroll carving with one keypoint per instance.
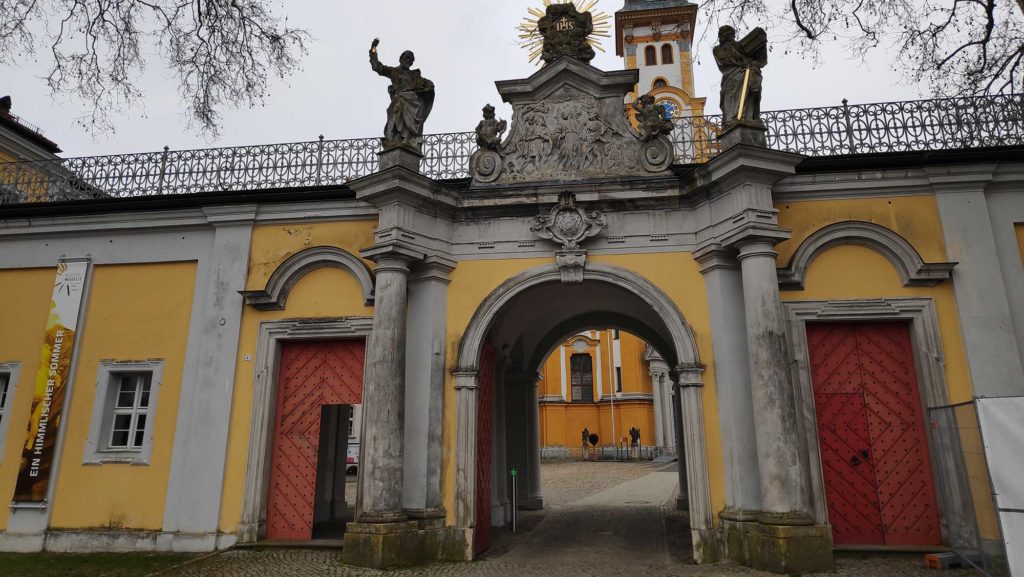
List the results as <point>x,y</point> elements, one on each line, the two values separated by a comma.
<point>569,225</point>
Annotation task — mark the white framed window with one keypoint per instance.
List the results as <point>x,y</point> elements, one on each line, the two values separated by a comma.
<point>130,412</point>
<point>8,380</point>
<point>123,412</point>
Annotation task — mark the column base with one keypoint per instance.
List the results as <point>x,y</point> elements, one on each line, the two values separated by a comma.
<point>732,514</point>
<point>788,549</point>
<point>386,545</point>
<point>531,504</point>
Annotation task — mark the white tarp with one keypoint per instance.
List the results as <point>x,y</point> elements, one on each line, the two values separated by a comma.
<point>1002,427</point>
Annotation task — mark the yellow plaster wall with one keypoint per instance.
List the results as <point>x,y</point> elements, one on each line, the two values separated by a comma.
<point>676,274</point>
<point>1019,228</point>
<point>272,244</point>
<point>135,312</point>
<point>326,292</point>
<point>915,218</point>
<point>24,306</point>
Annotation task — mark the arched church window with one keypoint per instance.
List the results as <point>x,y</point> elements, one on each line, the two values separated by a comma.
<point>666,54</point>
<point>581,368</point>
<point>650,56</point>
<point>660,83</point>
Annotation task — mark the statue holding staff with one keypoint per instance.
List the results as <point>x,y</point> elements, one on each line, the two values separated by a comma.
<point>412,98</point>
<point>740,63</point>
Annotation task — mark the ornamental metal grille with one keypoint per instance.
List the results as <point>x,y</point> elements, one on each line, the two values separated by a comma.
<point>917,125</point>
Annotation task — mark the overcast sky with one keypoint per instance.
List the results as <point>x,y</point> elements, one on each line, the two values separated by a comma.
<point>462,45</point>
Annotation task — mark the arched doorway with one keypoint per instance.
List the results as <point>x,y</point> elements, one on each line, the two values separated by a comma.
<point>528,316</point>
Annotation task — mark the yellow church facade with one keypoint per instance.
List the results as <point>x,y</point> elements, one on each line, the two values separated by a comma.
<point>607,382</point>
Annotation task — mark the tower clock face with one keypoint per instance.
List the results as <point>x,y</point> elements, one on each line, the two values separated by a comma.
<point>671,107</point>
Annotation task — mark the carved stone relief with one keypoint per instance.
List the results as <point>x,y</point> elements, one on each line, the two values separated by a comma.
<point>569,136</point>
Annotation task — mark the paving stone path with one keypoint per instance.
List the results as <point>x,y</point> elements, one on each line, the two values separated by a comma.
<point>600,519</point>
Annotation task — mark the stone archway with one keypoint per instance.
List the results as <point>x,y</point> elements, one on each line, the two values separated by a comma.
<point>534,308</point>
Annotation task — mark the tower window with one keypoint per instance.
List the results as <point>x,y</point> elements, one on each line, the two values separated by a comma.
<point>660,83</point>
<point>650,56</point>
<point>582,367</point>
<point>666,54</point>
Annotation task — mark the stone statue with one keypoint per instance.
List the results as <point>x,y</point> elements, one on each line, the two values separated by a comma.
<point>412,98</point>
<point>652,119</point>
<point>489,131</point>
<point>634,436</point>
<point>740,63</point>
<point>565,30</point>
<point>586,436</point>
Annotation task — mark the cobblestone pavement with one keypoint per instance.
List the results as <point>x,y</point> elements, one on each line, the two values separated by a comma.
<point>564,539</point>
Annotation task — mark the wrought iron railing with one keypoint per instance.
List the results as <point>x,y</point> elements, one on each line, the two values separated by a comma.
<point>920,125</point>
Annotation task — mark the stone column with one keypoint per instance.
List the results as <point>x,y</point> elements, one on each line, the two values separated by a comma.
<point>381,466</point>
<point>424,394</point>
<point>668,421</point>
<point>659,408</point>
<point>724,285</point>
<point>785,495</point>
<point>535,500</point>
<point>501,506</point>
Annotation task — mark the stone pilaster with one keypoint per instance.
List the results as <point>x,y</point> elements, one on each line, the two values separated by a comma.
<point>724,284</point>
<point>424,394</point>
<point>785,495</point>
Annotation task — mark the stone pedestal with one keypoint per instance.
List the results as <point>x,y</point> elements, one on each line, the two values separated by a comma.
<point>748,132</point>
<point>779,549</point>
<point>400,156</point>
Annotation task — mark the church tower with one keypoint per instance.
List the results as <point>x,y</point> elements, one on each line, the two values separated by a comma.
<point>655,37</point>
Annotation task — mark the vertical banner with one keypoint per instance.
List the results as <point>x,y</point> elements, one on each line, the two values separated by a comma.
<point>51,383</point>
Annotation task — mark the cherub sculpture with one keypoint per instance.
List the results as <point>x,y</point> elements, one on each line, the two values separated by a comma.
<point>652,118</point>
<point>489,131</point>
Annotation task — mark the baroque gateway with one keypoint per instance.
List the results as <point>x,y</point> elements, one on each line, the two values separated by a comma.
<point>812,286</point>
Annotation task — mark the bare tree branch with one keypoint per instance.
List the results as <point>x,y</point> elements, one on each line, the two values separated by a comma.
<point>222,52</point>
<point>954,47</point>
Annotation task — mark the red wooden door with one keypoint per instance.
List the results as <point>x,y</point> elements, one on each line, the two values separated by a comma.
<point>878,480</point>
<point>312,374</point>
<point>484,448</point>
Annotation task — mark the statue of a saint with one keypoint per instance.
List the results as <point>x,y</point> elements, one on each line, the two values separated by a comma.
<point>489,131</point>
<point>412,98</point>
<point>740,63</point>
<point>652,119</point>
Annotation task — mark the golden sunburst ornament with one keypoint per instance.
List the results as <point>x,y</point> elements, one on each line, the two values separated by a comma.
<point>531,38</point>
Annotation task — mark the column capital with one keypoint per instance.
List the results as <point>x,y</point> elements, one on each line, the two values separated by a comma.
<point>751,247</point>
<point>688,375</point>
<point>434,268</point>
<point>465,378</point>
<point>716,256</point>
<point>391,256</point>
